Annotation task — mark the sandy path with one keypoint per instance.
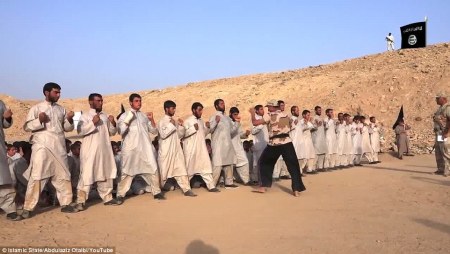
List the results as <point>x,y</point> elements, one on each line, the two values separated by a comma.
<point>392,207</point>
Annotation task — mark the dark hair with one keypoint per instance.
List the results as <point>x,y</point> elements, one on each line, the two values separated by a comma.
<point>169,104</point>
<point>208,141</point>
<point>234,110</point>
<point>361,118</point>
<point>50,86</point>
<point>293,108</point>
<point>328,110</point>
<point>75,145</point>
<point>346,115</point>
<point>257,107</point>
<point>372,117</point>
<point>216,102</point>
<point>9,146</point>
<point>317,107</point>
<point>340,114</point>
<point>93,95</point>
<point>68,141</point>
<point>133,96</point>
<point>280,102</point>
<point>195,105</point>
<point>356,117</point>
<point>305,112</point>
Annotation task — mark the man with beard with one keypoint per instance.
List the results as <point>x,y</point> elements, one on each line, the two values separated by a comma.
<point>97,164</point>
<point>47,121</point>
<point>296,135</point>
<point>241,165</point>
<point>170,154</point>
<point>330,135</point>
<point>223,155</point>
<point>194,147</point>
<point>319,139</point>
<point>138,152</point>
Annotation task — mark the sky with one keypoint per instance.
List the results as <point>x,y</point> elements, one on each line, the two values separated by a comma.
<point>112,47</point>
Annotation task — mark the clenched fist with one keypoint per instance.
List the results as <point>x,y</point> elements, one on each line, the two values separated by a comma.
<point>150,116</point>
<point>180,121</point>
<point>217,119</point>
<point>207,125</point>
<point>96,119</point>
<point>247,132</point>
<point>196,126</point>
<point>43,118</point>
<point>7,114</point>
<point>70,115</point>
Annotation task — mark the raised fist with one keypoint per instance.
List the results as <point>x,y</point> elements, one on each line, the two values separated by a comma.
<point>207,125</point>
<point>196,126</point>
<point>8,113</point>
<point>43,118</point>
<point>70,115</point>
<point>96,119</point>
<point>217,119</point>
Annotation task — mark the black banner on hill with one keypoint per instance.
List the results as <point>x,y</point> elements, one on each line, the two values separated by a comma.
<point>414,35</point>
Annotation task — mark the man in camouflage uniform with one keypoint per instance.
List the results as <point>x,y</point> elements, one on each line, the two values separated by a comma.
<point>445,123</point>
<point>279,126</point>
<point>439,125</point>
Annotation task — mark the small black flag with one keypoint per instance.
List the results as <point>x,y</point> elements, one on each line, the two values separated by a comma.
<point>122,110</point>
<point>414,35</point>
<point>400,117</point>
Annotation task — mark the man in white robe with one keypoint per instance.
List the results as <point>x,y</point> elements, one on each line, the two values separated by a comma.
<point>7,191</point>
<point>349,151</point>
<point>47,121</point>
<point>223,155</point>
<point>330,136</point>
<point>341,138</point>
<point>307,151</point>
<point>296,135</point>
<point>138,152</point>
<point>170,154</point>
<point>366,147</point>
<point>374,130</point>
<point>260,140</point>
<point>242,166</point>
<point>356,128</point>
<point>97,163</point>
<point>319,139</point>
<point>194,147</point>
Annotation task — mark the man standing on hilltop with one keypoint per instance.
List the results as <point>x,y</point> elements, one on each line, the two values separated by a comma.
<point>47,121</point>
<point>390,42</point>
<point>223,155</point>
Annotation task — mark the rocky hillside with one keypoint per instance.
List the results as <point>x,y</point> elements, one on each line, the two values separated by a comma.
<point>375,85</point>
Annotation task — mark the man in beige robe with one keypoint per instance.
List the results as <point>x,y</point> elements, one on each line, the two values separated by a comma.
<point>194,147</point>
<point>319,139</point>
<point>341,138</point>
<point>331,139</point>
<point>170,154</point>
<point>7,191</point>
<point>138,153</point>
<point>374,130</point>
<point>260,140</point>
<point>296,135</point>
<point>366,147</point>
<point>97,163</point>
<point>47,121</point>
<point>242,163</point>
<point>402,139</point>
<point>348,148</point>
<point>307,151</point>
<point>446,138</point>
<point>223,155</point>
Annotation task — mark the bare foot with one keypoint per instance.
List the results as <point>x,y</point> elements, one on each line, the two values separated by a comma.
<point>296,193</point>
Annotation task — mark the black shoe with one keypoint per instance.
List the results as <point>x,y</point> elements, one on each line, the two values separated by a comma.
<point>358,165</point>
<point>119,200</point>
<point>26,214</point>
<point>373,162</point>
<point>114,201</point>
<point>232,186</point>
<point>275,180</point>
<point>378,161</point>
<point>189,193</point>
<point>80,207</point>
<point>159,196</point>
<point>68,209</point>
<point>13,216</point>
<point>285,177</point>
<point>311,172</point>
<point>214,190</point>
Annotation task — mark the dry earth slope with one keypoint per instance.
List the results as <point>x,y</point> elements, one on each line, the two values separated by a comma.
<point>371,85</point>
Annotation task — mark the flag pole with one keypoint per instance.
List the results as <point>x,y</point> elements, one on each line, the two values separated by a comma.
<point>426,21</point>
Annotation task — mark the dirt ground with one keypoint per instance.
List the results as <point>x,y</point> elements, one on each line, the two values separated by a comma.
<point>392,207</point>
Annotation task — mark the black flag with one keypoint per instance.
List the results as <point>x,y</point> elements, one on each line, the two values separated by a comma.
<point>400,117</point>
<point>414,35</point>
<point>122,110</point>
